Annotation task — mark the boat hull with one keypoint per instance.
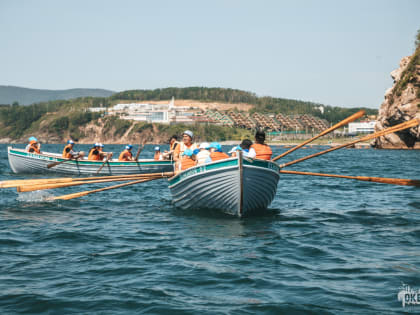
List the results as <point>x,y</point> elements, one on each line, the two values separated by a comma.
<point>237,186</point>
<point>32,163</point>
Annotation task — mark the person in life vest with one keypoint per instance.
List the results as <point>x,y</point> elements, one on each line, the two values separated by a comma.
<point>262,150</point>
<point>126,155</point>
<point>108,155</point>
<point>187,143</point>
<point>95,153</point>
<point>33,146</point>
<point>247,149</point>
<point>69,153</point>
<point>187,160</point>
<point>158,156</point>
<point>203,155</point>
<point>173,143</point>
<point>216,152</point>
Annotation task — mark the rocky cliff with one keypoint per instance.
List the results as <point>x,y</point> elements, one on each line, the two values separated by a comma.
<point>402,103</point>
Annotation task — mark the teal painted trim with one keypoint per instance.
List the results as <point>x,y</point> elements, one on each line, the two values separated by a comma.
<point>262,163</point>
<point>98,163</point>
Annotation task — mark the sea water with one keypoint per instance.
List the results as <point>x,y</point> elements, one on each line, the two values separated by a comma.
<point>327,246</point>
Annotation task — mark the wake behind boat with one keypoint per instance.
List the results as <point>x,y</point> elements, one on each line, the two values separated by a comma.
<point>22,161</point>
<point>236,186</point>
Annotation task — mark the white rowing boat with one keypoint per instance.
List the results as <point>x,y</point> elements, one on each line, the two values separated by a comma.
<point>24,162</point>
<point>236,186</point>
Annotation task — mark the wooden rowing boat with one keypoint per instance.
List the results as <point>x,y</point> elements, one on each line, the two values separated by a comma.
<point>24,162</point>
<point>236,186</point>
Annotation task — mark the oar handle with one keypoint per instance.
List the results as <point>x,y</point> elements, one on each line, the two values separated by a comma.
<point>402,126</point>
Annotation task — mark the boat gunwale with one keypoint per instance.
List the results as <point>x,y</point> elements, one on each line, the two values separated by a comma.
<point>53,157</point>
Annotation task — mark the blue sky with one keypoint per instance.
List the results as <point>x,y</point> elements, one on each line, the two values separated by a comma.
<point>333,52</point>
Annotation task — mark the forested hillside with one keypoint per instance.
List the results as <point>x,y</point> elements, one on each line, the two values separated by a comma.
<point>261,104</point>
<point>61,119</point>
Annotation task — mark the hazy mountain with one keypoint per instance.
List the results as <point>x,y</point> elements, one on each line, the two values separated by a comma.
<point>25,96</point>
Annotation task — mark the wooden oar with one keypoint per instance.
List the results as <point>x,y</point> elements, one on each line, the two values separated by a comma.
<point>26,188</point>
<point>87,192</point>
<point>323,133</point>
<point>58,163</point>
<point>393,181</point>
<point>21,182</point>
<point>106,161</point>
<point>402,126</point>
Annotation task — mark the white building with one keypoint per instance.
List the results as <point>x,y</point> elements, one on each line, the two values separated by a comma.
<point>97,109</point>
<point>154,113</point>
<point>362,127</point>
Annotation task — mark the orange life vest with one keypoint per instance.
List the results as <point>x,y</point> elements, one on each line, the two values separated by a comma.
<point>125,156</point>
<point>157,156</point>
<point>263,151</point>
<point>94,155</point>
<point>187,162</point>
<point>33,148</point>
<point>215,156</point>
<point>174,145</point>
<point>66,151</point>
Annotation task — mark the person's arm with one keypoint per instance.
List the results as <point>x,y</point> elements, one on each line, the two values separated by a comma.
<point>176,152</point>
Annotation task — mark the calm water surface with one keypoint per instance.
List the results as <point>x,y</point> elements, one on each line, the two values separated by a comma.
<point>327,246</point>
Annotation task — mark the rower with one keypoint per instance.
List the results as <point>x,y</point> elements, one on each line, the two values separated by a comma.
<point>108,155</point>
<point>247,149</point>
<point>216,152</point>
<point>173,143</point>
<point>203,155</point>
<point>95,153</point>
<point>33,146</point>
<point>262,150</point>
<point>187,160</point>
<point>69,153</point>
<point>158,156</point>
<point>187,138</point>
<point>126,155</point>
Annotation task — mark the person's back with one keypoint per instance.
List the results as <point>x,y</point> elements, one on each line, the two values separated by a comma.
<point>262,150</point>
<point>216,156</point>
<point>247,149</point>
<point>202,157</point>
<point>126,155</point>
<point>95,153</point>
<point>203,154</point>
<point>33,147</point>
<point>216,152</point>
<point>68,150</point>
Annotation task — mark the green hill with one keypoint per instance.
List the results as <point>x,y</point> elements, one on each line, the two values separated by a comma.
<point>60,119</point>
<point>26,96</point>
